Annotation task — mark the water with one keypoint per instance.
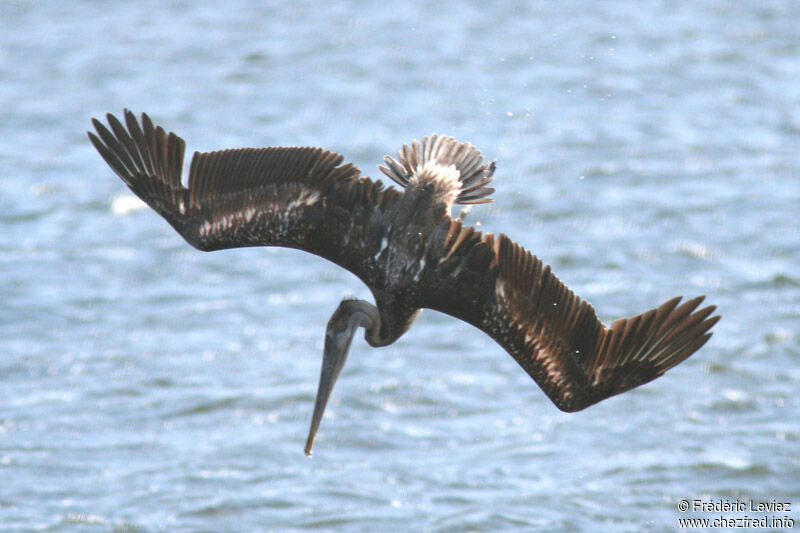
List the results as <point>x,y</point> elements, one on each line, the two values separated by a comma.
<point>644,149</point>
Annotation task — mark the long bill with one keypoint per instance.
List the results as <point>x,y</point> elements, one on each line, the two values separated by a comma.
<point>337,346</point>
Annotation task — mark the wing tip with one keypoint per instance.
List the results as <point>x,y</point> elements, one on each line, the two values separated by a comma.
<point>634,352</point>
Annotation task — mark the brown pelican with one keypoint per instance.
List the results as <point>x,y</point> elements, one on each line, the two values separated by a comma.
<point>408,250</point>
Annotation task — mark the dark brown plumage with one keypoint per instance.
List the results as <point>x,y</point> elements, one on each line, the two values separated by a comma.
<point>408,250</point>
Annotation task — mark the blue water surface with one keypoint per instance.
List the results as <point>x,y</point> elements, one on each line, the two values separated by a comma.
<point>644,149</point>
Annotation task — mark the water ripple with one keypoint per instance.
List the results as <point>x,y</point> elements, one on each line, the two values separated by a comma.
<point>642,153</point>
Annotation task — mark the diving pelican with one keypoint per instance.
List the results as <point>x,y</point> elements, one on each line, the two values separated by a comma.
<point>405,246</point>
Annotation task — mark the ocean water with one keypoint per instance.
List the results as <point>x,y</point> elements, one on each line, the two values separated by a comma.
<point>644,150</point>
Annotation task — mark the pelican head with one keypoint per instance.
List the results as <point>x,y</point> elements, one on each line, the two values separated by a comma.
<point>349,316</point>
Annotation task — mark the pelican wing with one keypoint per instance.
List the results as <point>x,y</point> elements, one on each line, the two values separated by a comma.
<point>501,288</point>
<point>301,198</point>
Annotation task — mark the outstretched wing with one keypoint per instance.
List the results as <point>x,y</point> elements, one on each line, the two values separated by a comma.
<point>301,198</point>
<point>501,288</point>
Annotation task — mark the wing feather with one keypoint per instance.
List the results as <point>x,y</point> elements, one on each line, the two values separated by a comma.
<point>298,197</point>
<point>553,334</point>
